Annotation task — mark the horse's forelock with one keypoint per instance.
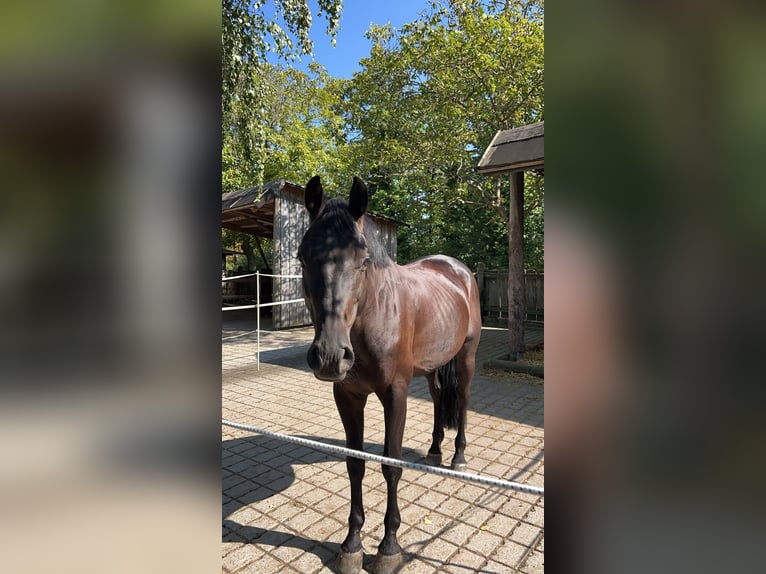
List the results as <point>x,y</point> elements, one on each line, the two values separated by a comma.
<point>336,220</point>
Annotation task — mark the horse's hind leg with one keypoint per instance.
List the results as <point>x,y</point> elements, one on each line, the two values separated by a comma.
<point>465,365</point>
<point>434,456</point>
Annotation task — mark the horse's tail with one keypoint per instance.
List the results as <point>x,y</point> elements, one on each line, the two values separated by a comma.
<point>450,402</point>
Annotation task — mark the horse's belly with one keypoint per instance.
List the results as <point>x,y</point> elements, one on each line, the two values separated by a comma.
<point>429,357</point>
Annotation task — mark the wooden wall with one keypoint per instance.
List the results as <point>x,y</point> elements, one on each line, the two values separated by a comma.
<point>290,223</point>
<point>493,289</point>
<point>385,232</point>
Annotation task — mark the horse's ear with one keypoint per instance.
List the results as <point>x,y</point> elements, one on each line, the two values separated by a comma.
<point>313,197</point>
<point>357,200</point>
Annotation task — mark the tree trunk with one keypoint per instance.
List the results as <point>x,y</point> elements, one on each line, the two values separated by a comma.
<point>516,267</point>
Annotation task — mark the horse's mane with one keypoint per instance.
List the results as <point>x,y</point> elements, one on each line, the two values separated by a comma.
<point>338,221</point>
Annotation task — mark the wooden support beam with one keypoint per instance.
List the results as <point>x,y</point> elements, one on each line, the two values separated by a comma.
<point>516,266</point>
<point>260,250</point>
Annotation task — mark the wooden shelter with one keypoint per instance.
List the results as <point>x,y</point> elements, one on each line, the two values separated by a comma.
<point>275,210</point>
<point>510,153</point>
<point>514,150</point>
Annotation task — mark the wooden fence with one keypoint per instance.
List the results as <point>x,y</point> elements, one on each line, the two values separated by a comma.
<point>493,291</point>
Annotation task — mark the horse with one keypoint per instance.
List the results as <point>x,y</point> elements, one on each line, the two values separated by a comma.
<point>376,326</point>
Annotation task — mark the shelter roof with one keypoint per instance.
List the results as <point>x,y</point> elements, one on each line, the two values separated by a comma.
<point>514,150</point>
<point>251,210</point>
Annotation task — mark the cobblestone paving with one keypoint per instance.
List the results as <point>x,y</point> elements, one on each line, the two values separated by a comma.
<point>285,506</point>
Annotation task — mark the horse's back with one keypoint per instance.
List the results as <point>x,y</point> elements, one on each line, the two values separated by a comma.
<point>444,266</point>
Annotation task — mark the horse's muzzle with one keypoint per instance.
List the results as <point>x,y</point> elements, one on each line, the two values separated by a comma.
<point>330,363</point>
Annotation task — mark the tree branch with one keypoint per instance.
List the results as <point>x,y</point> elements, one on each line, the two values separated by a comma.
<point>494,201</point>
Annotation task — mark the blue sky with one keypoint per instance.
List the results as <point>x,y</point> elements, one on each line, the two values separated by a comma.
<point>351,46</point>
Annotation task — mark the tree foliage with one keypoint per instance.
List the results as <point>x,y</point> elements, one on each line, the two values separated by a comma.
<point>304,132</point>
<point>413,122</point>
<point>251,88</point>
<point>251,29</point>
<point>427,102</point>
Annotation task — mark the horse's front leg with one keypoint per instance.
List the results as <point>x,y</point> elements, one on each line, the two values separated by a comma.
<point>394,400</point>
<point>351,409</point>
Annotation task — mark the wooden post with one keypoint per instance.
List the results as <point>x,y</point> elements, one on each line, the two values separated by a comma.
<point>516,267</point>
<point>480,283</point>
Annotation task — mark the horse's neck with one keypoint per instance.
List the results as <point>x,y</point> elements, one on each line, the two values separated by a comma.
<point>382,297</point>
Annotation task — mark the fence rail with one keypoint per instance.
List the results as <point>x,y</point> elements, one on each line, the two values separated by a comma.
<point>493,293</point>
<point>258,306</point>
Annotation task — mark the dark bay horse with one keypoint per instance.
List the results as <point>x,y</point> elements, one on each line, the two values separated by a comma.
<point>376,326</point>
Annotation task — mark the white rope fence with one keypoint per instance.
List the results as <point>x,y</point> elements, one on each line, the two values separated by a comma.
<point>274,304</point>
<point>343,452</point>
<point>258,274</point>
<point>258,305</point>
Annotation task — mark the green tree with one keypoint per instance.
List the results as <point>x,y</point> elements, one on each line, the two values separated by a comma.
<point>304,131</point>
<point>251,29</point>
<point>305,134</point>
<point>425,105</point>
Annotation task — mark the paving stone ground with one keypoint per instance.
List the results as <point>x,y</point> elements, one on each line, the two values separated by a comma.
<point>285,506</point>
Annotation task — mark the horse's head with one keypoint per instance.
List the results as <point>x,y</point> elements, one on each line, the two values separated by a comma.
<point>334,257</point>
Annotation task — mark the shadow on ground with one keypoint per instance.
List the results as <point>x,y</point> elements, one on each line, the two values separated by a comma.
<point>256,468</point>
<point>325,551</point>
<point>514,402</point>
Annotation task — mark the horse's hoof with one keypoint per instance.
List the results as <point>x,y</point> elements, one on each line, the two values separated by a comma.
<point>459,466</point>
<point>349,562</point>
<point>386,564</point>
<point>434,459</point>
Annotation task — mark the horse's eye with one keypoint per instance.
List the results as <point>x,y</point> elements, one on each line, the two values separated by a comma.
<point>365,263</point>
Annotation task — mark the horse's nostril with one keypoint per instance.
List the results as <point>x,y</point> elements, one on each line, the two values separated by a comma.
<point>329,365</point>
<point>312,358</point>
